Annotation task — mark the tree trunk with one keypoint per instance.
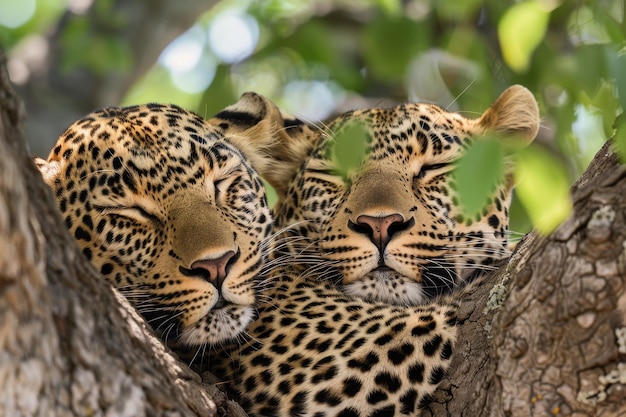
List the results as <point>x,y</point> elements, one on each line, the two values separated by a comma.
<point>68,345</point>
<point>547,339</point>
<point>550,338</point>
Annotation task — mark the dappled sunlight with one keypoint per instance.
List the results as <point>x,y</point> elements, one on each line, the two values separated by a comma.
<point>191,68</point>
<point>233,37</point>
<point>14,14</point>
<point>310,100</point>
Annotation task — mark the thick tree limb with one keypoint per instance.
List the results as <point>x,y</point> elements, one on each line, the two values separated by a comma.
<point>68,347</point>
<point>550,338</point>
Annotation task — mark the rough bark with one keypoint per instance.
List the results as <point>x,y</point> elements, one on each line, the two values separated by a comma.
<point>550,337</point>
<point>68,345</point>
<point>55,96</point>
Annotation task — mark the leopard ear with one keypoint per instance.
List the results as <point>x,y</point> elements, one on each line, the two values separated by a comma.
<point>515,112</point>
<point>276,144</point>
<point>49,170</point>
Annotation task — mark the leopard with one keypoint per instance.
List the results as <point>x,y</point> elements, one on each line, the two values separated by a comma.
<point>365,340</point>
<point>169,210</point>
<point>393,228</point>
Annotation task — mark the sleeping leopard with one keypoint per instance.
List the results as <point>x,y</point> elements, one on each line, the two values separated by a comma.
<point>394,230</point>
<point>169,210</point>
<point>360,317</point>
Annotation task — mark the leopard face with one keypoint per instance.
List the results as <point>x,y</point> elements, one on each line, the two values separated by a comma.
<point>169,210</point>
<point>393,230</point>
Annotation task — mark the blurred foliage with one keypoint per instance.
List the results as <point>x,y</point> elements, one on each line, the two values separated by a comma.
<point>521,30</point>
<point>542,186</point>
<point>82,45</point>
<point>484,160</point>
<point>314,58</point>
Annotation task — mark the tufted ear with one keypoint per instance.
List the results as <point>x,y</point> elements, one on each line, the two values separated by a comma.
<point>49,170</point>
<point>515,113</point>
<point>275,144</point>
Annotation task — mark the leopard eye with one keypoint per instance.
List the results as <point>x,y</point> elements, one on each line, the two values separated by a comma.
<point>137,213</point>
<point>146,214</point>
<point>328,177</point>
<point>221,187</point>
<point>431,169</point>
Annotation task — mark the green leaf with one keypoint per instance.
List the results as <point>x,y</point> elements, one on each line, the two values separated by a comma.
<point>619,139</point>
<point>521,30</point>
<point>477,173</point>
<point>349,149</point>
<point>613,29</point>
<point>607,107</point>
<point>588,25</point>
<point>390,44</point>
<point>543,188</point>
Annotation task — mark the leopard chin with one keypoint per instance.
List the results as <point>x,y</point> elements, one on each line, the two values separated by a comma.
<point>388,286</point>
<point>219,325</point>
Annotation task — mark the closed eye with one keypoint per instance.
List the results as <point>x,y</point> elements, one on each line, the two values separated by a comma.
<point>146,214</point>
<point>329,177</point>
<point>431,169</point>
<point>221,187</point>
<point>133,212</point>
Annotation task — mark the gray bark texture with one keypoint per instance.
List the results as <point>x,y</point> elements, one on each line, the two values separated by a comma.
<point>68,345</point>
<point>546,336</point>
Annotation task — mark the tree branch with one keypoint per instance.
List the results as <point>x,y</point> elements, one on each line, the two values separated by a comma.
<point>546,339</point>
<point>68,344</point>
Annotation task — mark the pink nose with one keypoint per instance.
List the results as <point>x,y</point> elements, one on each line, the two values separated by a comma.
<point>380,229</point>
<point>214,270</point>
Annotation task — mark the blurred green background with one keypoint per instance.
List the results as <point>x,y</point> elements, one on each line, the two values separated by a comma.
<point>318,58</point>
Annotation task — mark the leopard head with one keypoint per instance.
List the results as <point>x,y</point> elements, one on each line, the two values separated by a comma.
<point>393,229</point>
<point>170,211</point>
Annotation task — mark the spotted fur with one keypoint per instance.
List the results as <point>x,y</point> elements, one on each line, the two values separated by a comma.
<point>168,209</point>
<point>315,351</point>
<point>368,343</point>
